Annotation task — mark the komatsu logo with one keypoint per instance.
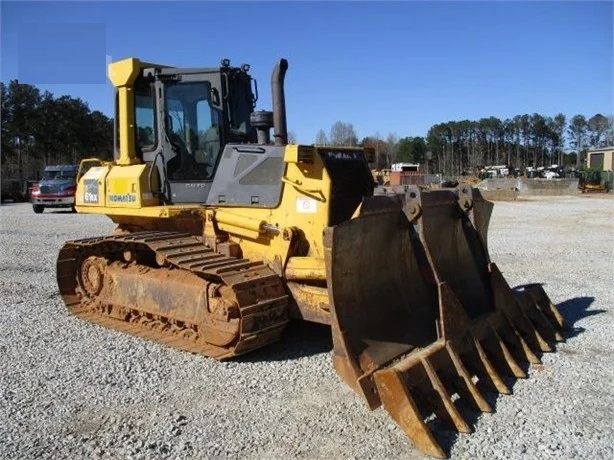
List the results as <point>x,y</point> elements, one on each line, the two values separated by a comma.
<point>122,198</point>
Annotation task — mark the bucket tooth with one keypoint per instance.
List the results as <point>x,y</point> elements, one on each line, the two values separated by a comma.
<point>538,307</point>
<point>522,311</point>
<point>534,336</point>
<point>508,357</point>
<point>541,299</point>
<point>452,413</point>
<point>493,376</point>
<point>453,374</point>
<point>420,384</point>
<point>520,344</point>
<point>539,320</point>
<point>511,337</point>
<point>467,389</point>
<point>456,326</point>
<point>400,404</point>
<point>455,377</point>
<point>524,328</point>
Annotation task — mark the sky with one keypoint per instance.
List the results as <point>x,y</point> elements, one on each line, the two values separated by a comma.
<point>383,66</point>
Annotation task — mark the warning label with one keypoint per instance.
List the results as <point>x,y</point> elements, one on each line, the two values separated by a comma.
<point>306,205</point>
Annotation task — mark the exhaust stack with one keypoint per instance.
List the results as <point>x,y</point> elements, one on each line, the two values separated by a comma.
<point>279,103</point>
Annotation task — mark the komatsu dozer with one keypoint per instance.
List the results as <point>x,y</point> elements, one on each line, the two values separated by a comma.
<point>225,233</point>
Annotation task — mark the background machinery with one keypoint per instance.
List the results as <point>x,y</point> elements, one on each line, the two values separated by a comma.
<point>224,234</point>
<point>594,181</point>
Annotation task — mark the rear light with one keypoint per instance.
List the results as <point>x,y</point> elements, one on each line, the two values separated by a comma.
<point>35,190</point>
<point>72,189</point>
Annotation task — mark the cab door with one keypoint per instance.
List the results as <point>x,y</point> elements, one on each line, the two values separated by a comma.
<point>192,136</point>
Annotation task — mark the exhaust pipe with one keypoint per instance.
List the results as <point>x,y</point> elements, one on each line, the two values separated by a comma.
<point>279,103</point>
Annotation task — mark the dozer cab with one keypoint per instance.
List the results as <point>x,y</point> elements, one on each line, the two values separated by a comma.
<point>225,233</point>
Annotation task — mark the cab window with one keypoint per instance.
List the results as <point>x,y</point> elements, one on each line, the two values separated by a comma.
<point>192,127</point>
<point>145,118</point>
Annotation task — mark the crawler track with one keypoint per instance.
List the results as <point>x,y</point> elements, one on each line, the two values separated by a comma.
<point>245,300</point>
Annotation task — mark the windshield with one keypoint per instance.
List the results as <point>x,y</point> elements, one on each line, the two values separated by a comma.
<point>59,174</point>
<point>193,129</point>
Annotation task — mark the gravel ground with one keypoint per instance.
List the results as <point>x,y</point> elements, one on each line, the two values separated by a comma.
<point>69,389</point>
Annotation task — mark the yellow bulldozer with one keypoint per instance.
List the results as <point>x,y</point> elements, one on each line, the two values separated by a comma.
<point>225,233</point>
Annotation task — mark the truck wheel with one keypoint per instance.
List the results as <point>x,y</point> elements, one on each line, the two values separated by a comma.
<point>38,209</point>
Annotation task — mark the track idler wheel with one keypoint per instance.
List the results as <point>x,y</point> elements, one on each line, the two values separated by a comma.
<point>91,276</point>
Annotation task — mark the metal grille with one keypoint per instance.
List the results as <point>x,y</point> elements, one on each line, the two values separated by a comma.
<point>49,189</point>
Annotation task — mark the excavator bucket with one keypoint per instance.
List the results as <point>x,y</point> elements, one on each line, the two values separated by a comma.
<point>423,322</point>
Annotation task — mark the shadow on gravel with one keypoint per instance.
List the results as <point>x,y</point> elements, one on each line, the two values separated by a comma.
<point>59,211</point>
<point>11,203</point>
<point>300,339</point>
<point>573,310</point>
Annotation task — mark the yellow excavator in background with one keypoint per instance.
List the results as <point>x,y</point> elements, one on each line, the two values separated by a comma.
<point>225,233</point>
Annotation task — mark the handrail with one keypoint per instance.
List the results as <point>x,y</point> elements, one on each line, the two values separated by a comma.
<point>316,194</point>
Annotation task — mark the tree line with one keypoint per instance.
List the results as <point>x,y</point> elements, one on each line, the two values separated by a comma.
<point>39,129</point>
<point>462,147</point>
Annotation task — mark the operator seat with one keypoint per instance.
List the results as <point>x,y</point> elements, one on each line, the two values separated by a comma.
<point>183,166</point>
